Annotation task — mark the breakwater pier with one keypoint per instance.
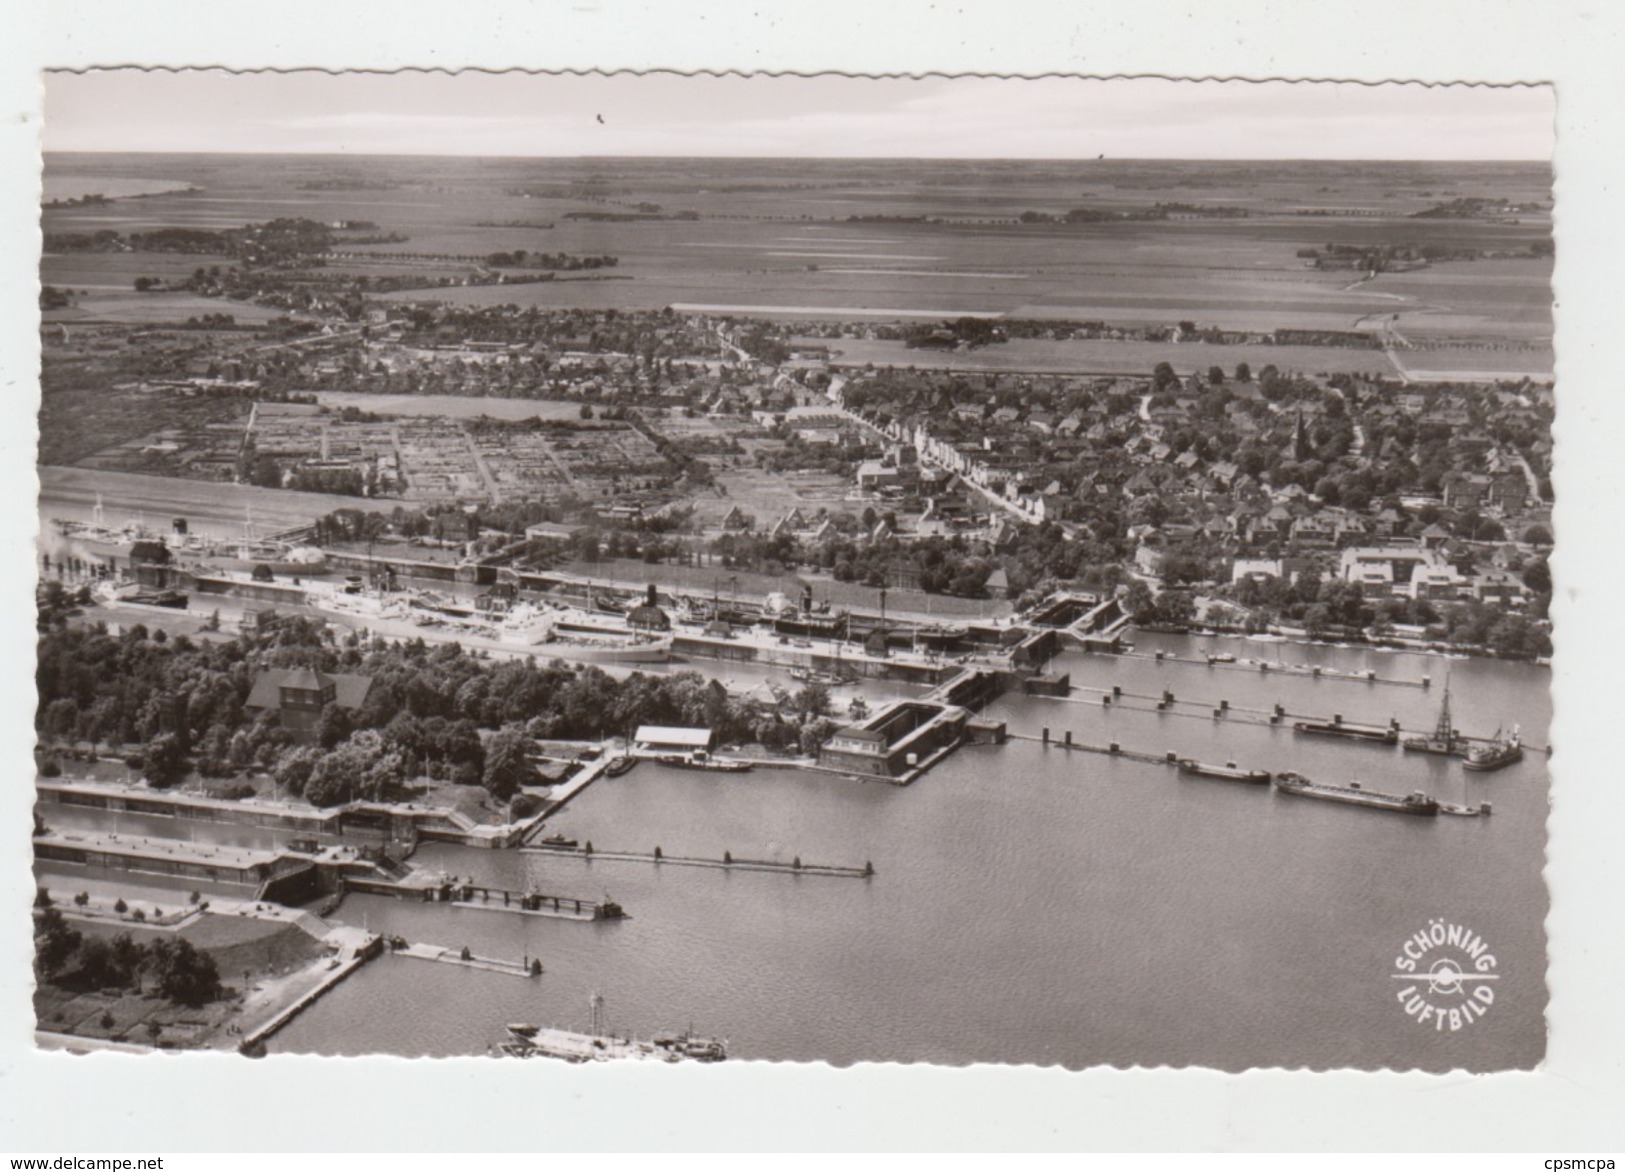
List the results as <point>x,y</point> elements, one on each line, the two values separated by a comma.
<point>727,863</point>
<point>1167,703</point>
<point>474,895</point>
<point>1171,759</point>
<point>1275,667</point>
<point>527,967</point>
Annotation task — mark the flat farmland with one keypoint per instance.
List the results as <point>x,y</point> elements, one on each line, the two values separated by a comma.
<point>117,271</point>
<point>1100,356</point>
<point>1503,299</point>
<point>131,308</point>
<point>850,238</point>
<point>1468,363</point>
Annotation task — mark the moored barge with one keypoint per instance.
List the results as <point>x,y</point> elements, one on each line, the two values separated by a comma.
<point>1358,732</point>
<point>1229,771</point>
<point>1354,794</point>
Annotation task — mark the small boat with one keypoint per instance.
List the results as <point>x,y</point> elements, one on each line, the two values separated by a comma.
<point>523,1030</point>
<point>1498,754</point>
<point>620,766</point>
<point>1221,657</point>
<point>559,840</point>
<point>858,709</point>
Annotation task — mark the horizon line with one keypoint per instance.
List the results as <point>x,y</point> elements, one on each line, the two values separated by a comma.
<point>350,154</point>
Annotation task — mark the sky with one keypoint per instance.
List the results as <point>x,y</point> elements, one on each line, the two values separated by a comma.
<point>514,114</point>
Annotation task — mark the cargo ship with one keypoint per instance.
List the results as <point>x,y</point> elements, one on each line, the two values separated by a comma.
<point>1358,732</point>
<point>1229,771</point>
<point>283,559</point>
<point>529,1041</point>
<point>1498,754</point>
<point>1354,795</point>
<point>577,635</point>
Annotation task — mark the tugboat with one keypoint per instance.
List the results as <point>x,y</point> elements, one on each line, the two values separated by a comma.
<point>1498,754</point>
<point>1354,794</point>
<point>1445,741</point>
<point>858,709</point>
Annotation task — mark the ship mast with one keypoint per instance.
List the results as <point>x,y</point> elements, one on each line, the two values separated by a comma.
<point>597,1003</point>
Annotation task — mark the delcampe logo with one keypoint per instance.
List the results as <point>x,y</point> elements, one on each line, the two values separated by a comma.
<point>1448,976</point>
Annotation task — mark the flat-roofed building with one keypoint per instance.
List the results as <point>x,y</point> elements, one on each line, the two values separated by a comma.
<point>658,738</point>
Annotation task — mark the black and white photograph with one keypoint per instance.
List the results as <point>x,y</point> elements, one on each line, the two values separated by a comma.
<point>612,577</point>
<point>657,568</point>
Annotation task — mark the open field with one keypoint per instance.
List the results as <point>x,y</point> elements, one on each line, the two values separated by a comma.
<point>117,271</point>
<point>1494,299</point>
<point>1100,356</point>
<point>1476,364</point>
<point>451,406</point>
<point>131,308</point>
<point>768,496</point>
<point>766,235</point>
<point>78,184</point>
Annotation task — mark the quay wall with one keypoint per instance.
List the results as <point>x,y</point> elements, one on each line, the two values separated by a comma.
<point>741,651</point>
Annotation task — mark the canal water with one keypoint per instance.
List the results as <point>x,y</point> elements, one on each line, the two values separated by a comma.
<point>1030,905</point>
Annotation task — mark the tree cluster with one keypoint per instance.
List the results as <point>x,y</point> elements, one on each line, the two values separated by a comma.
<point>170,965</point>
